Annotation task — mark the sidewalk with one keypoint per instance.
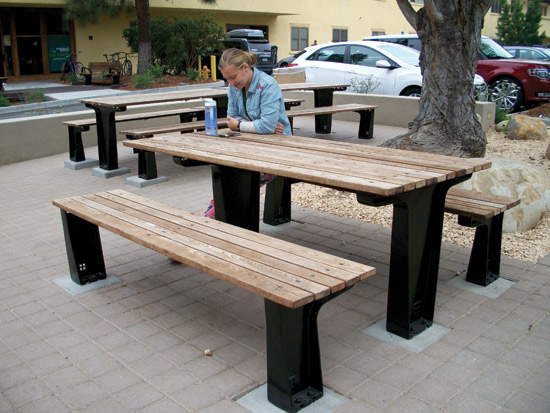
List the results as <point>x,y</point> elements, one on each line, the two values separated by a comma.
<point>138,344</point>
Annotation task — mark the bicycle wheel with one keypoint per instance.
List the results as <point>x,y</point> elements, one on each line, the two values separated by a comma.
<point>127,68</point>
<point>79,71</point>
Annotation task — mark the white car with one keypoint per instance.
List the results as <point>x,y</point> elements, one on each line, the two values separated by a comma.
<point>389,69</point>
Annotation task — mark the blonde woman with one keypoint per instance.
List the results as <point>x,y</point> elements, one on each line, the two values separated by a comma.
<point>255,101</point>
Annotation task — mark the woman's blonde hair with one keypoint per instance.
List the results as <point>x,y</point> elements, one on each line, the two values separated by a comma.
<point>237,58</point>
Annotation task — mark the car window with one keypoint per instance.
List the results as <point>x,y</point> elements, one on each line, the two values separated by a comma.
<point>415,44</point>
<point>364,56</point>
<point>406,54</point>
<point>493,50</point>
<point>329,54</point>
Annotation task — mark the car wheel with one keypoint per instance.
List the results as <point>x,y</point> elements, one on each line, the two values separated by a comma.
<point>507,93</point>
<point>413,91</point>
<point>283,64</point>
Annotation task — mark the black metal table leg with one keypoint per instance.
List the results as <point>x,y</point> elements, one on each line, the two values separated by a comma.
<point>294,375</point>
<point>237,196</point>
<point>84,251</point>
<point>323,97</point>
<point>277,205</point>
<point>147,164</point>
<point>415,249</point>
<point>484,265</point>
<point>366,124</point>
<point>106,135</point>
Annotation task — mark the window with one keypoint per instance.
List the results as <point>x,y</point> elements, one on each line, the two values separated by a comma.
<point>496,7</point>
<point>339,35</point>
<point>364,56</point>
<point>330,54</point>
<point>377,33</point>
<point>299,38</point>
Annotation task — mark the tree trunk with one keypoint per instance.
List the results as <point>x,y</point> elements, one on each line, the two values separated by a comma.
<point>446,122</point>
<point>145,57</point>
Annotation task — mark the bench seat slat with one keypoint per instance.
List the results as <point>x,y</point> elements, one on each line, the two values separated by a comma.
<point>135,116</point>
<point>230,262</point>
<point>477,205</point>
<point>280,245</point>
<point>326,110</point>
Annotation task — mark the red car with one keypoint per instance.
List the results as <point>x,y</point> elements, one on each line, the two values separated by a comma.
<point>513,83</point>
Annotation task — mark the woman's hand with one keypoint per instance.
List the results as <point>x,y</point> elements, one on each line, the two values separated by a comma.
<point>279,128</point>
<point>232,123</point>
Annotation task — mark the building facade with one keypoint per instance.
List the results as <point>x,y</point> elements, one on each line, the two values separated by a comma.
<point>36,39</point>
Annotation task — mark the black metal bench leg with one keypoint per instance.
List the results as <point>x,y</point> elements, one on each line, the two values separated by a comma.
<point>237,196</point>
<point>294,374</point>
<point>277,206</point>
<point>484,265</point>
<point>291,120</point>
<point>366,124</point>
<point>84,251</point>
<point>76,146</point>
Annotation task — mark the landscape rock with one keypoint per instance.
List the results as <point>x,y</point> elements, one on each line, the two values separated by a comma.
<point>501,126</point>
<point>524,127</point>
<point>547,155</point>
<point>530,183</point>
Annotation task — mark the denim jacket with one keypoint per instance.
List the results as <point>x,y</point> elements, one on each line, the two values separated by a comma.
<point>264,104</point>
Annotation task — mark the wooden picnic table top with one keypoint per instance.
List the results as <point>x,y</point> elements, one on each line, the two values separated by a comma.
<point>212,92</point>
<point>348,166</point>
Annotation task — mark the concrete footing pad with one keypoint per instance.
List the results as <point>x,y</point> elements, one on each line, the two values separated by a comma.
<point>256,402</point>
<point>74,289</point>
<point>104,173</point>
<point>493,290</point>
<point>138,182</point>
<point>415,344</point>
<point>75,166</point>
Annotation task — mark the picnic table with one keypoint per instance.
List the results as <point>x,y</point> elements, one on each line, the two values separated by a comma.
<point>415,183</point>
<point>106,107</point>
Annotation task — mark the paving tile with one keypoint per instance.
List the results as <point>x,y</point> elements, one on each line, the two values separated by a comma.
<point>198,397</point>
<point>527,402</point>
<point>151,366</point>
<point>28,392</point>
<point>466,402</point>
<point>138,396</point>
<point>173,380</point>
<point>117,380</point>
<point>83,395</point>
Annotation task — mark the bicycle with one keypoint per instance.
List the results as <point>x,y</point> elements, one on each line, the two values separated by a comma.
<point>126,67</point>
<point>73,66</point>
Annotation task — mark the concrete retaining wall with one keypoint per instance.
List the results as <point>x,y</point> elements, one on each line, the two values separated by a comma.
<point>34,137</point>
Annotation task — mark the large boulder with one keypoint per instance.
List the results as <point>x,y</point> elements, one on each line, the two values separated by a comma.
<point>524,127</point>
<point>516,179</point>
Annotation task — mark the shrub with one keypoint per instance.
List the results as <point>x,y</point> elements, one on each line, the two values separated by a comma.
<point>144,81</point>
<point>34,95</point>
<point>4,101</point>
<point>500,115</point>
<point>156,70</point>
<point>366,85</point>
<point>192,74</point>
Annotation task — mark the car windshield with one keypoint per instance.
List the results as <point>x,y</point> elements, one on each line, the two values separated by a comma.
<point>493,50</point>
<point>406,54</point>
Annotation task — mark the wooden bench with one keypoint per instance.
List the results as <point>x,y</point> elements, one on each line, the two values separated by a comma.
<point>366,113</point>
<point>485,212</point>
<point>76,127</point>
<point>295,281</point>
<point>103,69</point>
<point>290,103</point>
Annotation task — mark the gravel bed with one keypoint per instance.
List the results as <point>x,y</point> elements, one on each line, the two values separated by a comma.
<point>527,246</point>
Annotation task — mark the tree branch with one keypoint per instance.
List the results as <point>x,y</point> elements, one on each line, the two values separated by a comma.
<point>408,12</point>
<point>434,15</point>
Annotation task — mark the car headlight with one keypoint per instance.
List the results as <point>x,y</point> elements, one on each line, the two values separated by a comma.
<point>540,73</point>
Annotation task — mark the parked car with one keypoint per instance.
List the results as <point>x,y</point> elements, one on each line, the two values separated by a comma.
<point>391,68</point>
<point>288,60</point>
<point>255,42</point>
<point>513,83</point>
<point>529,52</point>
